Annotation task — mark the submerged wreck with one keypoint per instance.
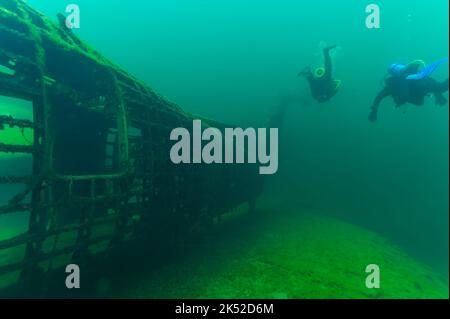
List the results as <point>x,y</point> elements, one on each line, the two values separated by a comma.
<point>101,176</point>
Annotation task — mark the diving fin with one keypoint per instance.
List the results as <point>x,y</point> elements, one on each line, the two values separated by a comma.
<point>427,71</point>
<point>337,84</point>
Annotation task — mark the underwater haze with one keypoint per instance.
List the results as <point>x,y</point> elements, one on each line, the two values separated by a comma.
<point>236,61</point>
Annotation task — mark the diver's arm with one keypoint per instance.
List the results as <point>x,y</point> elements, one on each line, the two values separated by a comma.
<point>376,104</point>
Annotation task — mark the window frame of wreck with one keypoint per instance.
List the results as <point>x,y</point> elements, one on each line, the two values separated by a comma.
<point>85,116</point>
<point>87,214</point>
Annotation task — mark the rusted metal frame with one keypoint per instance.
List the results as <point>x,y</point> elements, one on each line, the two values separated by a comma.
<point>122,124</point>
<point>152,105</point>
<point>121,185</point>
<point>41,163</point>
<point>16,62</point>
<point>94,200</point>
<point>143,123</point>
<point>15,179</point>
<point>16,34</point>
<point>74,178</point>
<point>14,208</point>
<point>15,204</point>
<point>132,92</point>
<point>6,148</point>
<point>36,259</point>
<point>12,122</point>
<point>26,263</point>
<point>10,86</point>
<point>84,228</point>
<point>27,237</point>
<point>9,4</point>
<point>84,231</point>
<point>148,140</point>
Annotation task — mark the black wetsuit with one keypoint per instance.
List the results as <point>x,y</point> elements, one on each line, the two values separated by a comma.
<point>405,91</point>
<point>325,87</point>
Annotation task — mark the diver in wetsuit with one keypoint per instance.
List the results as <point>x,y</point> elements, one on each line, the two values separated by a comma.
<point>407,85</point>
<point>323,86</point>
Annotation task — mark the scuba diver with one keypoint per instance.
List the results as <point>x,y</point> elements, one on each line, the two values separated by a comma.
<point>406,84</point>
<point>323,86</point>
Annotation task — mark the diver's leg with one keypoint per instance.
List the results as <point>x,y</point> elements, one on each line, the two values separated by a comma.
<point>439,97</point>
<point>443,86</point>
<point>430,85</point>
<point>438,89</point>
<point>327,61</point>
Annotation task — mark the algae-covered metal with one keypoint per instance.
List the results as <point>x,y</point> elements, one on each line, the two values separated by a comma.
<point>101,172</point>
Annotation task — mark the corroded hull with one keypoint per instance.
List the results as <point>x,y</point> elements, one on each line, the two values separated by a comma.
<point>101,172</point>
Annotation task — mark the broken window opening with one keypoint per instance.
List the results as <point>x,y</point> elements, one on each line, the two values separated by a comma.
<point>86,142</point>
<point>15,167</point>
<point>16,123</point>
